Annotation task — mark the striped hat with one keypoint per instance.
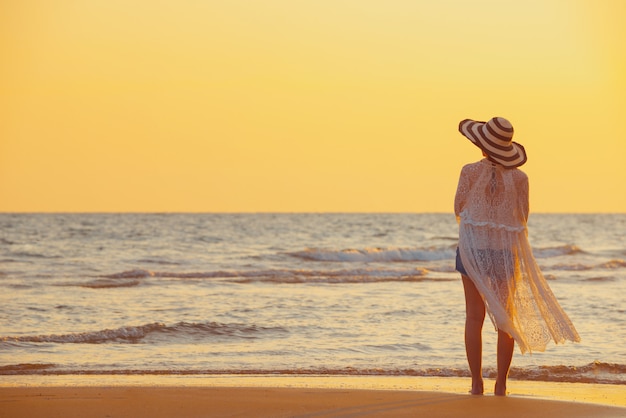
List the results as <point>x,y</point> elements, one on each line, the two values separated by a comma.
<point>495,139</point>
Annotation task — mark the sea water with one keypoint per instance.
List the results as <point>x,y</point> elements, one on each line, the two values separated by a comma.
<point>329,294</point>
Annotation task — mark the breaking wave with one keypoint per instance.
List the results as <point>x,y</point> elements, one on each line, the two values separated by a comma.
<point>130,274</point>
<point>25,368</point>
<point>609,265</point>
<point>365,273</point>
<point>367,255</point>
<point>557,251</point>
<point>596,372</point>
<point>110,283</point>
<point>276,276</point>
<point>135,334</point>
<point>613,264</point>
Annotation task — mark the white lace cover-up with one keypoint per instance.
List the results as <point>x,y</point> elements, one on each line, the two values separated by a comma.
<point>491,206</point>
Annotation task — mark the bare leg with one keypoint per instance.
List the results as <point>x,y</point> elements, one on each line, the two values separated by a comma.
<point>506,344</point>
<point>474,319</point>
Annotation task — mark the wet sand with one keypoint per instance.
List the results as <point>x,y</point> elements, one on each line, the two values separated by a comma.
<point>304,397</point>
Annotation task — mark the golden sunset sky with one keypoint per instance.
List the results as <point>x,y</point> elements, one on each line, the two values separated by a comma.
<point>304,106</point>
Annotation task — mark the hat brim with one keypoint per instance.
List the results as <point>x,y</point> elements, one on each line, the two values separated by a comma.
<point>511,155</point>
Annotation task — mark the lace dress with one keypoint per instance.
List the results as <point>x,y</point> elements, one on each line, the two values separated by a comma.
<point>491,206</point>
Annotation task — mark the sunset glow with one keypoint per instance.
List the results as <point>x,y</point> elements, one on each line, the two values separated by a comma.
<point>284,106</point>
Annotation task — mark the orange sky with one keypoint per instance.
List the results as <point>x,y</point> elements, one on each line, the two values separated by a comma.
<point>290,106</point>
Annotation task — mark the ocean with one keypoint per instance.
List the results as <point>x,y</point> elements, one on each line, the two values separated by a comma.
<point>286,294</point>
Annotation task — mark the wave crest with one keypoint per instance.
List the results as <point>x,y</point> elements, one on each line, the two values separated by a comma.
<point>609,265</point>
<point>596,372</point>
<point>278,276</point>
<point>557,251</point>
<point>134,334</point>
<point>130,274</point>
<point>110,283</point>
<point>613,264</point>
<point>375,254</point>
<point>25,368</point>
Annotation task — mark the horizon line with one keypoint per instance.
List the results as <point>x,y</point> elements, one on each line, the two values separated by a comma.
<point>62,212</point>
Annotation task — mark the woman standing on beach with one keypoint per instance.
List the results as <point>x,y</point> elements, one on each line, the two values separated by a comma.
<point>500,275</point>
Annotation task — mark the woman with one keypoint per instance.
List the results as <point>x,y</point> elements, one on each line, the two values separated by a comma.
<point>499,273</point>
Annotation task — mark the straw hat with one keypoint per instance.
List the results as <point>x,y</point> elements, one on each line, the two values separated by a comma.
<point>494,137</point>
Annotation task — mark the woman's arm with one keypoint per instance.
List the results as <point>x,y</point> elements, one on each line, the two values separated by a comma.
<point>461,194</point>
<point>524,198</point>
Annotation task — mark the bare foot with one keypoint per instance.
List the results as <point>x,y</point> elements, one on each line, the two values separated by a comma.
<point>500,389</point>
<point>477,387</point>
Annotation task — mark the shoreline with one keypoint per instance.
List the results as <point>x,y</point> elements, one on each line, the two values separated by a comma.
<point>579,393</point>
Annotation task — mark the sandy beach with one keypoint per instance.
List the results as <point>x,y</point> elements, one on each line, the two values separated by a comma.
<point>301,397</point>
